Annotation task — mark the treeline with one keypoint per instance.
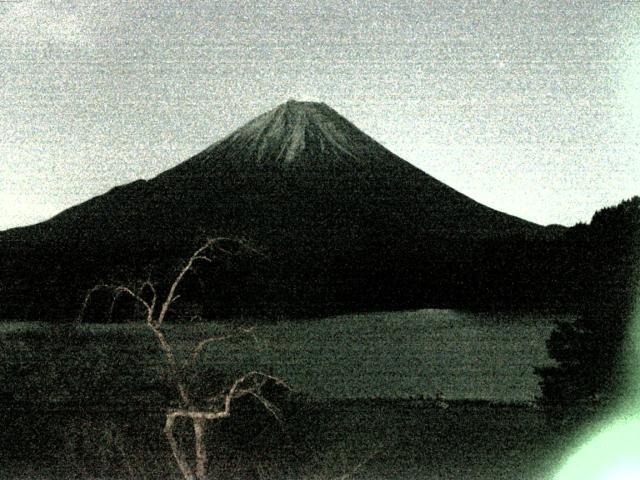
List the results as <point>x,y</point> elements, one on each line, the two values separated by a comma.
<point>303,273</point>
<point>578,268</point>
<point>594,353</point>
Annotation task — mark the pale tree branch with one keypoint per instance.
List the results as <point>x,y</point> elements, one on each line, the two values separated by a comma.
<point>181,385</point>
<point>250,383</point>
<point>154,294</point>
<point>199,348</point>
<point>270,407</point>
<point>200,416</point>
<point>251,331</point>
<point>112,307</point>
<point>236,389</point>
<point>117,290</point>
<point>197,255</point>
<point>253,375</point>
<point>121,289</point>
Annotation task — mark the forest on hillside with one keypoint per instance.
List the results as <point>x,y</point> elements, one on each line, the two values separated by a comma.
<point>563,270</point>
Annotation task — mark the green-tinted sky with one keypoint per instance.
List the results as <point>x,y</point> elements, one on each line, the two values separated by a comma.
<point>530,107</point>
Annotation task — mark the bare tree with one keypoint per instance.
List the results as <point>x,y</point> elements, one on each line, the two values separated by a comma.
<point>219,406</point>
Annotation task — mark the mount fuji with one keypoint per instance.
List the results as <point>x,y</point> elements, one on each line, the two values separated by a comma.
<point>345,223</point>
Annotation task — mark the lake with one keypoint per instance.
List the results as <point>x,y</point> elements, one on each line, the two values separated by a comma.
<point>488,356</point>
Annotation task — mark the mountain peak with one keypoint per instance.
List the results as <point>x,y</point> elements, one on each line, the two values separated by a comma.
<point>303,108</point>
<point>294,133</point>
<point>293,103</point>
<point>296,107</point>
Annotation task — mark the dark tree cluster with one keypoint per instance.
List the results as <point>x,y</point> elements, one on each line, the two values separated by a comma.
<point>592,352</point>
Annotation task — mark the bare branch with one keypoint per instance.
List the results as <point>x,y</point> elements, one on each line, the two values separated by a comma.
<point>197,255</point>
<point>117,291</point>
<point>87,297</point>
<point>204,343</point>
<point>251,331</point>
<point>251,383</point>
<point>270,407</point>
<point>112,307</point>
<point>148,284</point>
<point>200,347</point>
<point>172,362</point>
<point>235,391</point>
<point>203,414</point>
<point>220,397</point>
<point>122,289</point>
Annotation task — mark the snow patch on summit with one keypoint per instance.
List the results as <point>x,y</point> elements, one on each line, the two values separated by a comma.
<point>298,130</point>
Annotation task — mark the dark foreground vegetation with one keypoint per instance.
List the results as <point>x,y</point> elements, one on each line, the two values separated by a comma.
<point>81,403</point>
<point>366,439</point>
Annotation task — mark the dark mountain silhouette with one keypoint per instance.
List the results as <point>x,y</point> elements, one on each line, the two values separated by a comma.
<point>344,223</point>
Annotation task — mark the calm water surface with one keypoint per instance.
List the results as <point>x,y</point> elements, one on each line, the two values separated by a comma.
<point>463,355</point>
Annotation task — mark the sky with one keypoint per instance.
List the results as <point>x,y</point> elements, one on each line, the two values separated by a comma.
<point>530,107</point>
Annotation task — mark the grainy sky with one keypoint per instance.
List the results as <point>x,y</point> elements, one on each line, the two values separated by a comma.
<point>530,107</point>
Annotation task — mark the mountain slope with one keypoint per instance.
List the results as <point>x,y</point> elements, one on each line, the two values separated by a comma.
<point>299,149</point>
<point>339,215</point>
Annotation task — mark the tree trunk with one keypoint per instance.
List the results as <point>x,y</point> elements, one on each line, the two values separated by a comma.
<point>201,448</point>
<point>178,455</point>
